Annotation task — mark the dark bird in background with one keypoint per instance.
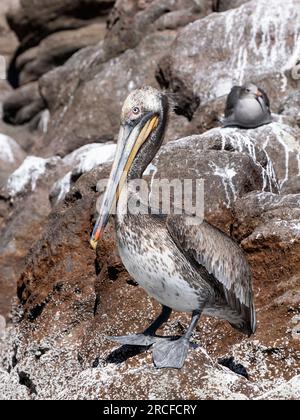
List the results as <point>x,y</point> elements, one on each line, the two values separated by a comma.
<point>247,107</point>
<point>184,263</point>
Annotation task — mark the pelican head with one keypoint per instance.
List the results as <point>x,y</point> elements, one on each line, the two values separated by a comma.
<point>143,122</point>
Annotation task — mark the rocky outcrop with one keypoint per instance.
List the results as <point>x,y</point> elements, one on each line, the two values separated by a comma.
<point>135,30</point>
<point>63,282</point>
<point>138,29</point>
<point>33,21</point>
<point>8,39</point>
<point>23,104</point>
<point>229,163</point>
<point>25,204</point>
<point>55,50</point>
<point>268,226</point>
<point>258,45</point>
<point>70,127</point>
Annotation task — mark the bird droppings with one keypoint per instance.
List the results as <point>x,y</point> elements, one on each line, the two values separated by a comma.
<point>28,174</point>
<point>257,35</point>
<point>44,121</point>
<point>90,156</point>
<point>227,174</point>
<point>81,161</point>
<point>8,149</point>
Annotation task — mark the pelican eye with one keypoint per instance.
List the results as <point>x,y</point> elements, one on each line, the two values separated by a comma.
<point>136,110</point>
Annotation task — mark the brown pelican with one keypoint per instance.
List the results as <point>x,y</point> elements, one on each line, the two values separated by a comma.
<point>186,267</point>
<point>247,107</point>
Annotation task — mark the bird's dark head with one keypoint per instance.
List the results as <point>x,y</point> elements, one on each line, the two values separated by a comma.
<point>143,122</point>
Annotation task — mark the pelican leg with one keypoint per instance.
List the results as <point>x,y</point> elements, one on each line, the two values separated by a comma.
<point>173,352</point>
<point>148,337</point>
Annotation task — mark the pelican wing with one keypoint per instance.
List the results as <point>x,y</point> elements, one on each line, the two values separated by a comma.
<point>222,258</point>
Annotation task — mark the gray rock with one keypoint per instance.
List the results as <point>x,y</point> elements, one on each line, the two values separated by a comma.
<point>88,112</point>
<point>199,70</point>
<point>23,104</point>
<point>229,162</point>
<point>291,107</point>
<point>8,40</point>
<point>34,20</point>
<point>55,50</point>
<point>268,227</point>
<point>292,186</point>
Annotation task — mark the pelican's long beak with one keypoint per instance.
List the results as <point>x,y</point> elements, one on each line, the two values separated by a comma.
<point>131,139</point>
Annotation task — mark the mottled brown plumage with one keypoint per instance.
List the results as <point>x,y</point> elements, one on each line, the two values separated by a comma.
<point>184,263</point>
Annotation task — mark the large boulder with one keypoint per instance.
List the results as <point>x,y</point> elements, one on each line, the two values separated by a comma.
<point>280,142</point>
<point>256,42</point>
<point>25,205</point>
<point>267,225</point>
<point>229,162</point>
<point>88,113</point>
<point>55,50</point>
<point>34,20</point>
<point>131,20</point>
<point>71,302</point>
<point>139,33</point>
<point>69,299</point>
<point>8,40</point>
<point>23,104</point>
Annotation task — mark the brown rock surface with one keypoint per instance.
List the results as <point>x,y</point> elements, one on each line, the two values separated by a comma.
<point>229,164</point>
<point>138,35</point>
<point>8,40</point>
<point>33,21</point>
<point>23,104</point>
<point>22,214</point>
<point>70,300</point>
<point>292,186</point>
<point>55,50</point>
<point>89,113</point>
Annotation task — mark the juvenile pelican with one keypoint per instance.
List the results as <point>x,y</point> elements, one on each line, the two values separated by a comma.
<point>247,107</point>
<point>186,267</point>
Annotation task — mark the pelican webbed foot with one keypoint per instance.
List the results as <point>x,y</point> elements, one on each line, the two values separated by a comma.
<point>134,340</point>
<point>171,353</point>
<point>148,337</point>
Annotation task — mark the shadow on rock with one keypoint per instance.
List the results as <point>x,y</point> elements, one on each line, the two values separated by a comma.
<point>124,353</point>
